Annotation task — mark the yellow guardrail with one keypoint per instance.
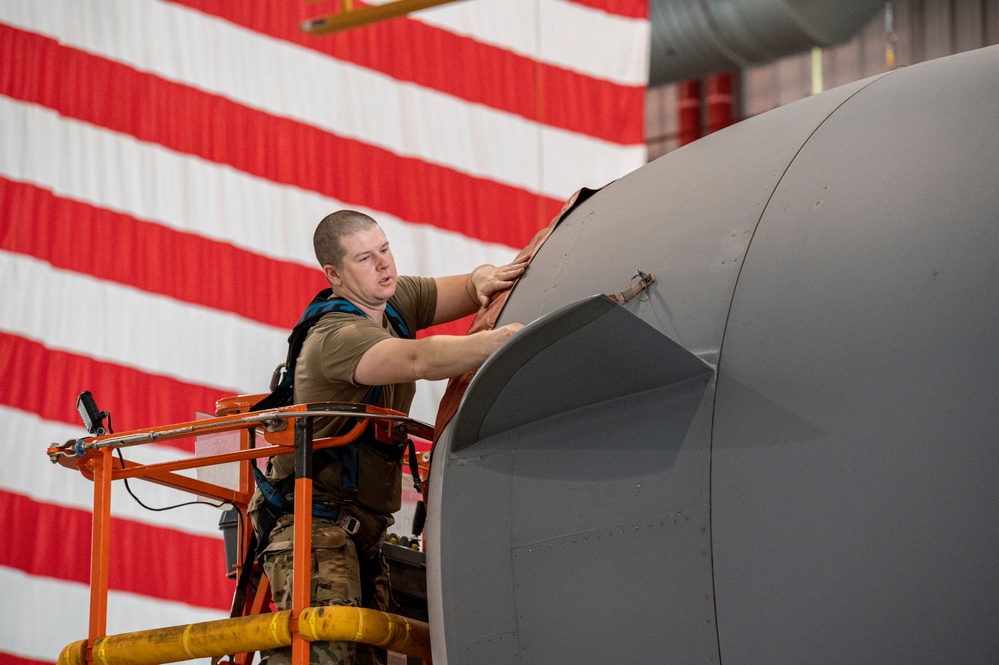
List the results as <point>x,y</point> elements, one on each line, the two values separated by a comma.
<point>254,633</point>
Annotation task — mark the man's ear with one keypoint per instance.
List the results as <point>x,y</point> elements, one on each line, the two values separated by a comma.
<point>332,275</point>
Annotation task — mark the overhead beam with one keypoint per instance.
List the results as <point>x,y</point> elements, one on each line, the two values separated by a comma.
<point>353,18</point>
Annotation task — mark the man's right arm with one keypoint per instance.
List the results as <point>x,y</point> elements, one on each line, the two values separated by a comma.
<point>438,357</point>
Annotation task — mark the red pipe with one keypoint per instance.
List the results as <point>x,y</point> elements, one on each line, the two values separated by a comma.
<point>689,108</point>
<point>719,101</point>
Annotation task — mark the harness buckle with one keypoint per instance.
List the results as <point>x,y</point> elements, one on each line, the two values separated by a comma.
<point>349,524</point>
<point>277,376</point>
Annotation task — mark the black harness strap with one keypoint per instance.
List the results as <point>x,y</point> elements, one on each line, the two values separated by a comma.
<point>283,395</point>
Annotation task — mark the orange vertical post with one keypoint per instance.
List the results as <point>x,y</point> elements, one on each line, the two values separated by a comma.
<point>101,546</point>
<point>302,553</point>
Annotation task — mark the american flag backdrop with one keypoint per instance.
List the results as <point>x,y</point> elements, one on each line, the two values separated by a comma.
<point>162,167</point>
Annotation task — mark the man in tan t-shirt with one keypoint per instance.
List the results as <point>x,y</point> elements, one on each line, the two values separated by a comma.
<point>344,357</point>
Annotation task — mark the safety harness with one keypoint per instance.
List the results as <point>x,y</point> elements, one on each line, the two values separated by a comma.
<point>279,493</point>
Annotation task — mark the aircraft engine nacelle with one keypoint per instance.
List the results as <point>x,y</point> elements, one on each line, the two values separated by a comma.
<point>787,451</point>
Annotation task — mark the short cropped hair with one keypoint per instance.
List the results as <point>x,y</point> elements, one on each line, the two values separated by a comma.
<point>327,240</point>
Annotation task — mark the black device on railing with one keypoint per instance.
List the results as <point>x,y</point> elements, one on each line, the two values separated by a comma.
<point>93,418</point>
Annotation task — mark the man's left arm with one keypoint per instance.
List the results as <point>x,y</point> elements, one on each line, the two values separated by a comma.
<point>461,295</point>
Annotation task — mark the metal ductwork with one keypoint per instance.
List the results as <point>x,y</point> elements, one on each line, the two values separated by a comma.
<point>693,38</point>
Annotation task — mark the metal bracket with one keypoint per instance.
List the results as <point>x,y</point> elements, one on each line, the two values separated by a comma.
<point>349,18</point>
<point>639,283</point>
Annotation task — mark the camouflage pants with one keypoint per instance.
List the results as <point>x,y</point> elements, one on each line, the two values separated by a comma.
<point>339,577</point>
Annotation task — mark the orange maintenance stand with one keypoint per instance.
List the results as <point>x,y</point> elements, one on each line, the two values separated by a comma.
<point>286,430</point>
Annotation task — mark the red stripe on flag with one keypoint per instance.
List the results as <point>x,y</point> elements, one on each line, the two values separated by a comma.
<point>145,255</point>
<point>11,659</point>
<point>39,70</point>
<point>459,66</point>
<point>146,560</point>
<point>116,247</point>
<point>47,383</point>
<point>629,8</point>
<point>119,248</point>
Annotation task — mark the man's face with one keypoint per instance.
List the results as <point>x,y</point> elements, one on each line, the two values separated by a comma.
<point>367,276</point>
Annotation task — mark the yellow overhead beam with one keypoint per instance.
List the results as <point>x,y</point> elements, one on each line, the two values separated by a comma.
<point>353,18</point>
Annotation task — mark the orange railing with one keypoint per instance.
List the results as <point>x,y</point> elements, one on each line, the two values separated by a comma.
<point>284,430</point>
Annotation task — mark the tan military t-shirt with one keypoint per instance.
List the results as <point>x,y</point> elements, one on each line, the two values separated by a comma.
<point>325,373</point>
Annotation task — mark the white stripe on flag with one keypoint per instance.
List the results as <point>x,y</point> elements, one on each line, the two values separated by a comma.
<point>26,471</point>
<point>214,201</point>
<point>77,313</point>
<point>42,615</point>
<point>569,35</point>
<point>290,81</point>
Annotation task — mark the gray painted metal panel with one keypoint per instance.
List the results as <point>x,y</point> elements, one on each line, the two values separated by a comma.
<point>836,259</point>
<point>553,506</point>
<point>582,355</point>
<point>557,498</point>
<point>855,460</point>
<point>687,218</point>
